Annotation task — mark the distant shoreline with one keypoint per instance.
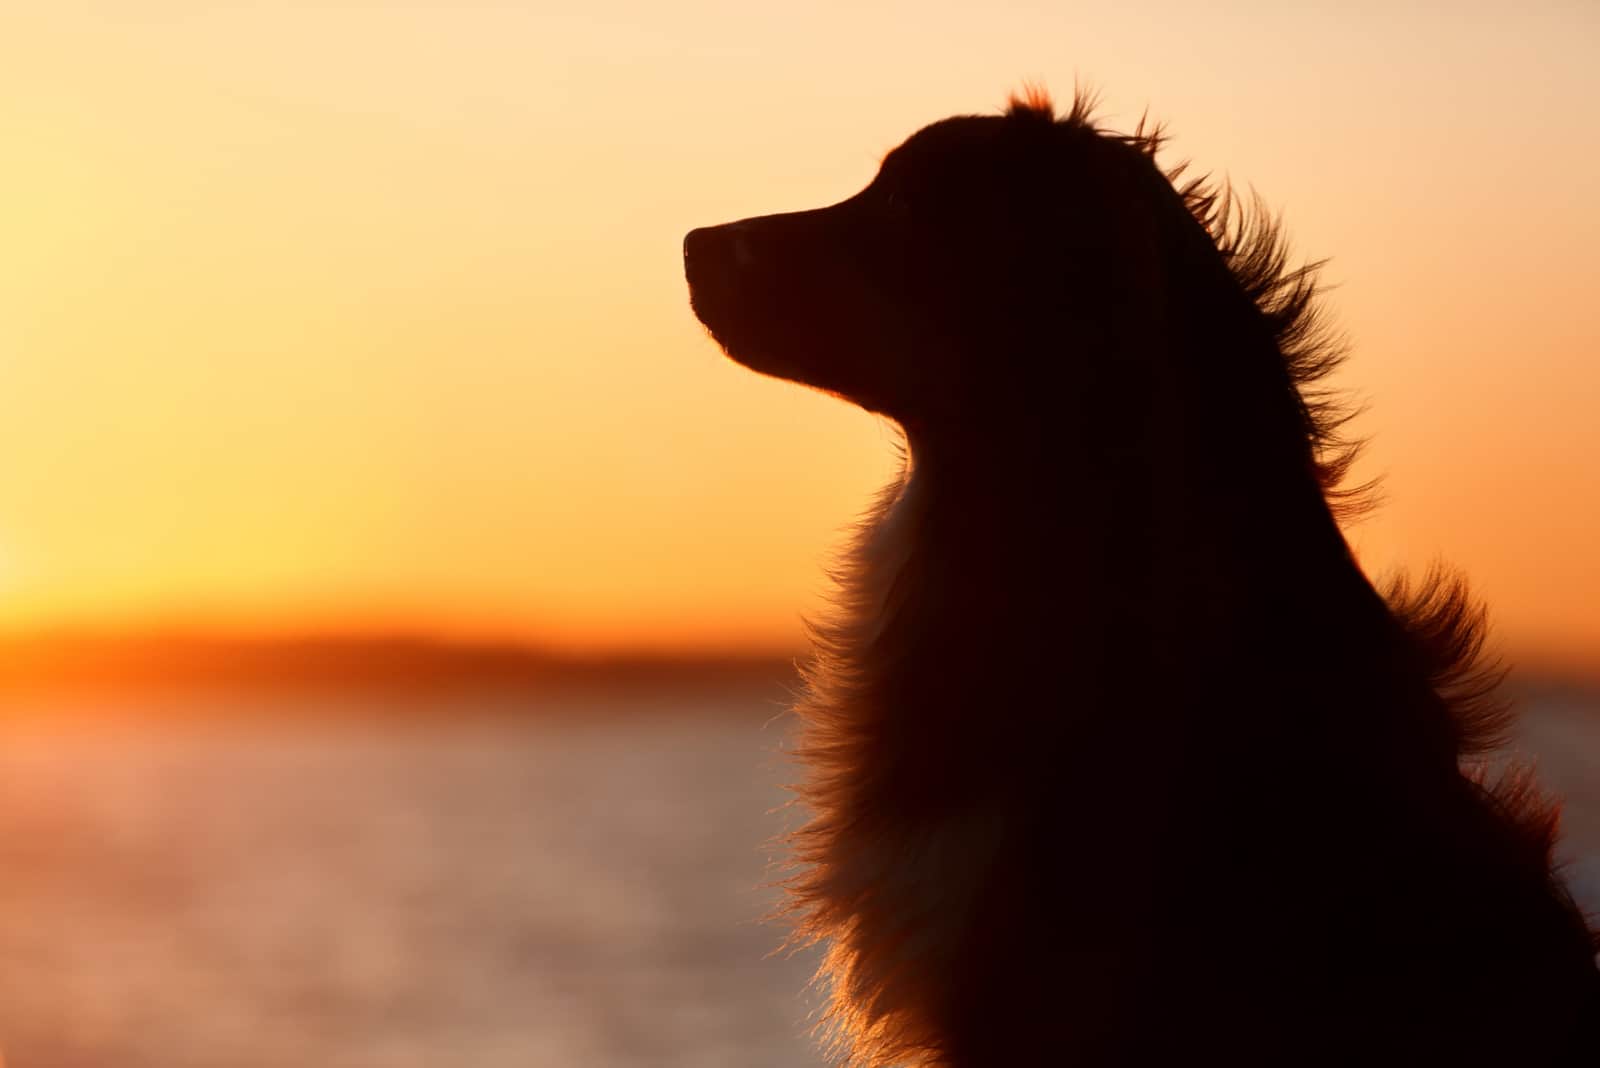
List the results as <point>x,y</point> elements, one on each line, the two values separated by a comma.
<point>121,664</point>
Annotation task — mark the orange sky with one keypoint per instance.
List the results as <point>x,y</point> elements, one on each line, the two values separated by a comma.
<point>337,315</point>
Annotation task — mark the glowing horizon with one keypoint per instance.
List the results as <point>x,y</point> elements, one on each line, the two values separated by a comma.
<point>318,317</point>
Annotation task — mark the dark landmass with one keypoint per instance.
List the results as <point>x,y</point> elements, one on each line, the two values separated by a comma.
<point>104,664</point>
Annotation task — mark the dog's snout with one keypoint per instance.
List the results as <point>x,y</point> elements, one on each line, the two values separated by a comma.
<point>728,245</point>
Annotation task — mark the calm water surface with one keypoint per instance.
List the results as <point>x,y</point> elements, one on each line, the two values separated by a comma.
<point>360,895</point>
<point>483,891</point>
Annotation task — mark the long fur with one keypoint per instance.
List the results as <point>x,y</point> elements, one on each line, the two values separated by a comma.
<point>1161,776</point>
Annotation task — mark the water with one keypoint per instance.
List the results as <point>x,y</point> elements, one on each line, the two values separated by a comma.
<point>358,895</point>
<point>480,891</point>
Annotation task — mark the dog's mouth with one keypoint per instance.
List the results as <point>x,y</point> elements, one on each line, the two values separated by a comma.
<point>720,315</point>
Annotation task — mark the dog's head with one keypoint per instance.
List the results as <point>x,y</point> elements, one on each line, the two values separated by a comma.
<point>984,252</point>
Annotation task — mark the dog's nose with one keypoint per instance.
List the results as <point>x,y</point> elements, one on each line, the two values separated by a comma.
<point>728,244</point>
<point>694,244</point>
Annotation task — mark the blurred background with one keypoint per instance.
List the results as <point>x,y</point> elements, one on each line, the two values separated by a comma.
<point>398,590</point>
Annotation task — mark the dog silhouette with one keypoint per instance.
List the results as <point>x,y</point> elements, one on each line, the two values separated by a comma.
<point>1113,754</point>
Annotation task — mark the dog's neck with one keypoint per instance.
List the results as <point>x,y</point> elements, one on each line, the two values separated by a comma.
<point>1055,601</point>
<point>1074,557</point>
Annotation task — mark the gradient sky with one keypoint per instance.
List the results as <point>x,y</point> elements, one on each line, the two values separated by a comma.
<point>347,315</point>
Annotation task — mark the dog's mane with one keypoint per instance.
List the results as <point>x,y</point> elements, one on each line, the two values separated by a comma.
<point>1252,242</point>
<point>867,895</point>
<point>1448,626</point>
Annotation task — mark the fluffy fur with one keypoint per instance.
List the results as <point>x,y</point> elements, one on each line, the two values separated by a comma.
<point>1113,754</point>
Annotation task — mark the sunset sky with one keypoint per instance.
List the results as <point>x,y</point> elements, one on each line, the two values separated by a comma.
<point>371,315</point>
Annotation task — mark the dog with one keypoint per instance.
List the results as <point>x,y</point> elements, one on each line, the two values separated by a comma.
<point>1113,754</point>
